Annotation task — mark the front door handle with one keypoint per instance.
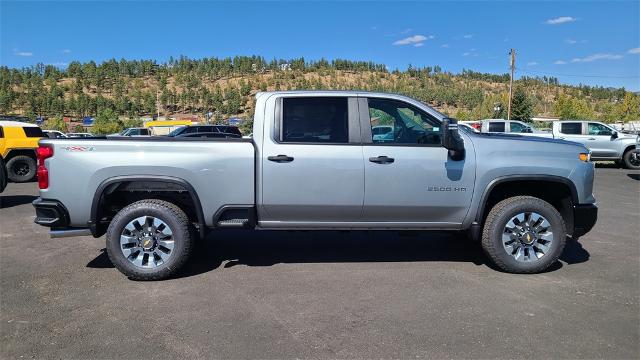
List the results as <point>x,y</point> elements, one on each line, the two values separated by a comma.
<point>381,159</point>
<point>591,138</point>
<point>280,158</point>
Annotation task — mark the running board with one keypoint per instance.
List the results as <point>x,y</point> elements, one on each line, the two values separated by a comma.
<point>233,223</point>
<point>70,232</point>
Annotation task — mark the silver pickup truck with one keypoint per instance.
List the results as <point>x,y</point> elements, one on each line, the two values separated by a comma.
<point>313,164</point>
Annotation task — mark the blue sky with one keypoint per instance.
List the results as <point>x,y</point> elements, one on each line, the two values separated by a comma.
<point>591,42</point>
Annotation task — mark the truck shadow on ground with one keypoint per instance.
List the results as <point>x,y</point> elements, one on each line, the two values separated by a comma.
<point>15,200</point>
<point>228,248</point>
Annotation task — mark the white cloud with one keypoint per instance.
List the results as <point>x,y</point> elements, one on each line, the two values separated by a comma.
<point>596,57</point>
<point>22,53</point>
<point>418,44</point>
<point>560,62</point>
<point>66,51</point>
<point>570,41</point>
<point>560,20</point>
<point>413,40</point>
<point>532,63</point>
<point>634,51</point>
<point>467,36</point>
<point>446,46</point>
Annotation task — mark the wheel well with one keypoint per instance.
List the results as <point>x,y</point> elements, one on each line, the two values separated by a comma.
<point>556,193</point>
<point>114,196</point>
<point>630,147</point>
<point>13,153</point>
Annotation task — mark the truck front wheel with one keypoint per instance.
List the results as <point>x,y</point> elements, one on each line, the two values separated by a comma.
<point>149,240</point>
<point>524,235</point>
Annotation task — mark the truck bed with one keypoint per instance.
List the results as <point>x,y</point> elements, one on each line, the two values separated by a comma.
<point>223,170</point>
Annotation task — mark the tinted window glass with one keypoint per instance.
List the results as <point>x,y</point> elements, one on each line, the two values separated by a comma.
<point>519,128</point>
<point>190,130</point>
<point>598,129</point>
<point>571,128</point>
<point>231,130</point>
<point>1,132</point>
<point>33,131</point>
<point>315,120</point>
<point>404,123</point>
<point>496,127</point>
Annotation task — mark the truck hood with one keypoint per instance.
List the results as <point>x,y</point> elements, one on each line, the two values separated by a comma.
<point>527,139</point>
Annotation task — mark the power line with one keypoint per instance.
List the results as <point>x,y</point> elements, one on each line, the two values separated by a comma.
<point>577,75</point>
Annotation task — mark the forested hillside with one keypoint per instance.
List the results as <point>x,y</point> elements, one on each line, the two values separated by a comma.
<point>132,88</point>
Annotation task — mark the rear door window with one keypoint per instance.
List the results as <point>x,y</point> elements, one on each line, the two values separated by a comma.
<point>497,126</point>
<point>573,128</point>
<point>315,120</point>
<point>33,131</point>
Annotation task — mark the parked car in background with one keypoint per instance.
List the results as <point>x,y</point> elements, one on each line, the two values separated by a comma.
<point>228,129</point>
<point>475,125</point>
<point>137,131</point>
<point>54,134</point>
<point>505,126</point>
<point>3,175</point>
<point>313,164</point>
<point>210,135</point>
<point>18,144</point>
<point>604,142</point>
<point>468,126</point>
<point>80,135</point>
<point>382,133</point>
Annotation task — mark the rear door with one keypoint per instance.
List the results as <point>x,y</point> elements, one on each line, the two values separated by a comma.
<point>410,179</point>
<point>312,165</point>
<point>571,131</point>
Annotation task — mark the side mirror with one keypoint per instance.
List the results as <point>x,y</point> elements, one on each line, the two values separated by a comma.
<point>451,139</point>
<point>614,135</point>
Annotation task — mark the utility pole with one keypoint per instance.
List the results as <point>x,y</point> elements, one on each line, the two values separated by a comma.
<point>158,103</point>
<point>513,65</point>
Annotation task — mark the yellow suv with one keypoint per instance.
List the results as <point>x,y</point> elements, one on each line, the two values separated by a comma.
<point>18,144</point>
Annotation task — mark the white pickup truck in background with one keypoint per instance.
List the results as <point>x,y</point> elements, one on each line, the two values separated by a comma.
<point>605,142</point>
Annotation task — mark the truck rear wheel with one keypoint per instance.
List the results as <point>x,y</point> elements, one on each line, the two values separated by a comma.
<point>631,159</point>
<point>149,240</point>
<point>21,168</point>
<point>523,235</point>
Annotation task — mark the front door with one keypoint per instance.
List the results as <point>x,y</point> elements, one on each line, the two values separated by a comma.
<point>409,178</point>
<point>600,142</point>
<point>312,167</point>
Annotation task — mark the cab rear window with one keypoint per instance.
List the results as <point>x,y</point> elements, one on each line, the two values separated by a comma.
<point>571,128</point>
<point>33,131</point>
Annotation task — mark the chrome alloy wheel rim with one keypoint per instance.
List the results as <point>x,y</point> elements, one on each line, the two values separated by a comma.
<point>147,242</point>
<point>527,237</point>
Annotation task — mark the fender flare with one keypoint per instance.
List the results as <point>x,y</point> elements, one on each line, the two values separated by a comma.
<point>511,178</point>
<point>98,197</point>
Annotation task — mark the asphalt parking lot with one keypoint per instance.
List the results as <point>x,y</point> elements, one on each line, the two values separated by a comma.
<point>324,294</point>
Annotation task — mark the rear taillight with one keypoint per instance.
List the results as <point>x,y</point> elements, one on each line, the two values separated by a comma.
<point>43,152</point>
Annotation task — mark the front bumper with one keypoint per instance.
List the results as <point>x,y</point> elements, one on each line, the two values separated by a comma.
<point>584,219</point>
<point>51,213</point>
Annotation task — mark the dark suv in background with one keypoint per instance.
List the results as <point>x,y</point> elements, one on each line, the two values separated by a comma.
<point>200,129</point>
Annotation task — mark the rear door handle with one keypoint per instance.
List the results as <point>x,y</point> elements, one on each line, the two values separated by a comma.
<point>381,159</point>
<point>280,158</point>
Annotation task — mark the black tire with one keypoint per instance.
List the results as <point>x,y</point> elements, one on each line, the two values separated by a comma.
<point>21,168</point>
<point>495,224</point>
<point>629,162</point>
<point>177,221</point>
<point>3,175</point>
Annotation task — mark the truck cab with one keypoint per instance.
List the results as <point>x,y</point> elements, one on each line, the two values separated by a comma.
<point>505,126</point>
